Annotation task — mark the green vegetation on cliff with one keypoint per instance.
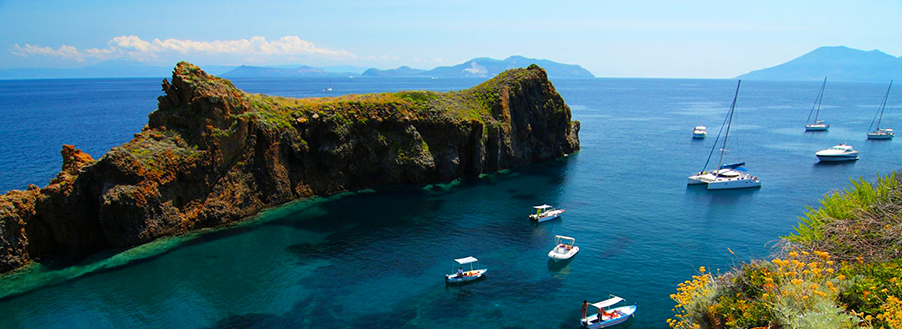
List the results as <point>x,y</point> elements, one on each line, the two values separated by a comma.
<point>479,103</point>
<point>841,269</point>
<point>212,154</point>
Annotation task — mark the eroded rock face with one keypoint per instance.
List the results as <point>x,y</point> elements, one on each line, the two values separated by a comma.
<point>212,154</point>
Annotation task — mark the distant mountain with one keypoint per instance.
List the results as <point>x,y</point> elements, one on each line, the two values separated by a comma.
<point>245,71</point>
<point>105,69</point>
<point>404,71</point>
<point>484,67</point>
<point>837,63</point>
<point>356,70</point>
<point>478,67</point>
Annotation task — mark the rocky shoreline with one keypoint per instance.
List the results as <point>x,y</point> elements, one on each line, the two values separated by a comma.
<point>212,154</point>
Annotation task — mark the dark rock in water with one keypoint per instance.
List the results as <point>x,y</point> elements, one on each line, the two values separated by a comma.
<point>212,154</point>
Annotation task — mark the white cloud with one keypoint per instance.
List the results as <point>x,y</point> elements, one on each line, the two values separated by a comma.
<point>142,50</point>
<point>380,58</point>
<point>64,51</point>
<point>476,69</point>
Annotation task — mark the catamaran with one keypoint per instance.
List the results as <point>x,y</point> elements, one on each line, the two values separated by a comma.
<point>545,212</point>
<point>563,248</point>
<point>609,316</point>
<point>818,125</point>
<point>885,133</point>
<point>726,176</point>
<point>469,275</point>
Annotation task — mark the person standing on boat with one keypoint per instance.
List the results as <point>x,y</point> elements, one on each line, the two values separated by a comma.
<point>460,272</point>
<point>585,308</point>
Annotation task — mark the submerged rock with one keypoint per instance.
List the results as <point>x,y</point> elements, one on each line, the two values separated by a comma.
<point>212,154</point>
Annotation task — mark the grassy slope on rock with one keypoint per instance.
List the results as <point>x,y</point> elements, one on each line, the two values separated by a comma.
<point>159,150</point>
<point>475,103</point>
<point>841,269</point>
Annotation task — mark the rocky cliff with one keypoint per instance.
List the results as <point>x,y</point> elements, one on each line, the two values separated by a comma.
<point>212,154</point>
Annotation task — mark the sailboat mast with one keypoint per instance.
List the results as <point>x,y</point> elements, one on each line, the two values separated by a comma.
<point>820,98</point>
<point>883,107</point>
<point>729,123</point>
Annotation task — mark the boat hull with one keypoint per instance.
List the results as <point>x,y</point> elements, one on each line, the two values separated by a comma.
<point>473,275</point>
<point>557,256</point>
<point>700,179</point>
<point>879,136</point>
<point>817,127</point>
<point>548,217</point>
<point>699,136</point>
<point>836,158</point>
<point>736,183</point>
<point>626,311</point>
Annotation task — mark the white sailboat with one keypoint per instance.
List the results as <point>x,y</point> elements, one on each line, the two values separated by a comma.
<point>884,133</point>
<point>726,176</point>
<point>818,125</point>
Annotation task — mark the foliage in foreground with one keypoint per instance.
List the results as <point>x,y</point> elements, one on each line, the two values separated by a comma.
<point>841,269</point>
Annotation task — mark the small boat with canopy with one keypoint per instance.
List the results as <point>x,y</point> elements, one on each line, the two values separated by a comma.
<point>461,275</point>
<point>545,212</point>
<point>564,248</point>
<point>609,316</point>
<point>699,132</point>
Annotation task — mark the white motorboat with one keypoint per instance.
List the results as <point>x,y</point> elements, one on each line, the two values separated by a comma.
<point>545,212</point>
<point>841,152</point>
<point>608,316</point>
<point>726,176</point>
<point>699,132</point>
<point>563,248</point>
<point>884,133</point>
<point>466,275</point>
<point>818,125</point>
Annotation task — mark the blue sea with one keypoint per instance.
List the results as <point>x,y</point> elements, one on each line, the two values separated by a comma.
<point>376,258</point>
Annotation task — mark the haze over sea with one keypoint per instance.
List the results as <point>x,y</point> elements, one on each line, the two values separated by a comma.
<point>376,258</point>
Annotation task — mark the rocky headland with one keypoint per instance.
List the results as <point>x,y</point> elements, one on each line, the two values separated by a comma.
<point>212,154</point>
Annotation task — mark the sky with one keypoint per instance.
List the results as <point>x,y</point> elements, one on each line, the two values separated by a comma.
<point>667,39</point>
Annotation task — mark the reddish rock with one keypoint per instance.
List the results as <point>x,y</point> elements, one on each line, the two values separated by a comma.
<point>212,155</point>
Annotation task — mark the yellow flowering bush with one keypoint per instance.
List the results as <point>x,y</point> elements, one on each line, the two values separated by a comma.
<point>891,313</point>
<point>693,297</point>
<point>800,291</point>
<point>874,291</point>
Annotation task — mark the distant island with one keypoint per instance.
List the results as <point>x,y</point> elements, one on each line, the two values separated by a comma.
<point>477,67</point>
<point>484,67</point>
<point>838,63</point>
<point>245,71</point>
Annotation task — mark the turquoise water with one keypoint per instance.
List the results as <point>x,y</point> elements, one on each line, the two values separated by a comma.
<point>376,258</point>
